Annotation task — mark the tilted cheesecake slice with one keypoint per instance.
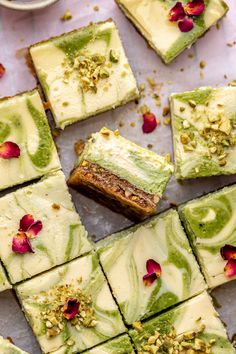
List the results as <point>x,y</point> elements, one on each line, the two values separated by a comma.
<point>39,228</point>
<point>204,132</point>
<point>84,72</point>
<point>70,308</point>
<point>6,347</point>
<point>171,26</point>
<point>120,345</point>
<point>4,283</point>
<point>123,175</point>
<point>27,150</point>
<point>192,327</point>
<point>210,224</point>
<point>150,267</point>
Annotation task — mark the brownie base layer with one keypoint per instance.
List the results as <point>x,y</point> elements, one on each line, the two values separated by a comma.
<point>112,191</point>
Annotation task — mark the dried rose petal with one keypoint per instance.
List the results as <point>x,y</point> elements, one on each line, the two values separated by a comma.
<point>26,222</point>
<point>149,122</point>
<point>230,268</point>
<point>2,70</point>
<point>228,252</point>
<point>34,229</point>
<point>71,308</point>
<point>21,243</point>
<point>177,12</point>
<point>154,272</point>
<point>9,150</point>
<point>194,7</point>
<point>185,25</point>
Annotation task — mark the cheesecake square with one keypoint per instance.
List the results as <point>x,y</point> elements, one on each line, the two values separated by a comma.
<point>204,132</point>
<point>6,347</point>
<point>192,327</point>
<point>121,174</point>
<point>171,27</point>
<point>84,72</point>
<point>27,150</point>
<point>39,228</point>
<point>150,267</point>
<point>70,308</point>
<point>120,345</point>
<point>209,222</point>
<point>4,283</point>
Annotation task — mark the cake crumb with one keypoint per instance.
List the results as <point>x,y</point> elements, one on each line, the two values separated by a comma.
<point>96,8</point>
<point>56,206</point>
<point>67,16</point>
<point>202,64</point>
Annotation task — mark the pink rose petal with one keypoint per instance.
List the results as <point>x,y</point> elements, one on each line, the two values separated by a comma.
<point>21,243</point>
<point>176,12</point>
<point>228,252</point>
<point>71,308</point>
<point>194,7</point>
<point>149,123</point>
<point>26,222</point>
<point>185,25</point>
<point>154,272</point>
<point>34,229</point>
<point>9,150</point>
<point>230,268</point>
<point>2,70</point>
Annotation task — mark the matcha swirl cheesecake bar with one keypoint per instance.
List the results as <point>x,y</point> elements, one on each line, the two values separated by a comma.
<point>150,267</point>
<point>84,72</point>
<point>4,282</point>
<point>192,327</point>
<point>121,174</point>
<point>6,347</point>
<point>27,150</point>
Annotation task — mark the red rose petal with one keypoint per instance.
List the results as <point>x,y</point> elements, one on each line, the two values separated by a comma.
<point>26,222</point>
<point>230,268</point>
<point>185,25</point>
<point>154,272</point>
<point>34,229</point>
<point>194,7</point>
<point>2,70</point>
<point>21,243</point>
<point>149,123</point>
<point>71,308</point>
<point>228,252</point>
<point>149,279</point>
<point>9,150</point>
<point>176,12</point>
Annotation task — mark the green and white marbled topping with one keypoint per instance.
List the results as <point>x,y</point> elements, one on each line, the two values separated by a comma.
<point>86,274</point>
<point>57,65</point>
<point>151,18</point>
<point>62,237</point>
<point>143,168</point>
<point>186,318</point>
<point>210,222</point>
<point>4,283</point>
<point>23,121</point>
<point>120,345</point>
<point>6,347</point>
<point>204,132</point>
<point>124,255</point>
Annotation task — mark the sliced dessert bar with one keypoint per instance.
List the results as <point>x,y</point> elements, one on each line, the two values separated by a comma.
<point>84,72</point>
<point>39,228</point>
<point>70,308</point>
<point>193,327</point>
<point>122,174</point>
<point>4,283</point>
<point>150,267</point>
<point>27,150</point>
<point>120,345</point>
<point>171,26</point>
<point>204,132</point>
<point>6,347</point>
<point>210,224</point>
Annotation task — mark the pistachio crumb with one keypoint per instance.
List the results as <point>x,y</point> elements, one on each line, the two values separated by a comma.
<point>67,16</point>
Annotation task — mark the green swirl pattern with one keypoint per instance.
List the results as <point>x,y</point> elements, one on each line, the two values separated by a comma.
<point>120,345</point>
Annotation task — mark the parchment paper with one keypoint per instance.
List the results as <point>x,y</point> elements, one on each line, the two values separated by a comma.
<point>20,29</point>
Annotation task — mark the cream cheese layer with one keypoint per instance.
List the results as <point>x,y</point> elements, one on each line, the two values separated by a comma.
<point>4,283</point>
<point>210,223</point>
<point>143,168</point>
<point>62,237</point>
<point>56,63</point>
<point>6,347</point>
<point>124,256</point>
<point>23,121</point>
<point>120,345</point>
<point>84,274</point>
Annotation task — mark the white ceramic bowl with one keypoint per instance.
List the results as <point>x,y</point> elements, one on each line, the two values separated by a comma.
<point>26,5</point>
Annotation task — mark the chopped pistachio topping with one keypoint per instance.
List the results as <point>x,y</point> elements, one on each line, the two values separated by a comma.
<point>67,16</point>
<point>114,56</point>
<point>53,315</point>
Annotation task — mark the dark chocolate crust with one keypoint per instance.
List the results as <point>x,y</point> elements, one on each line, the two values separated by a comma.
<point>113,191</point>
